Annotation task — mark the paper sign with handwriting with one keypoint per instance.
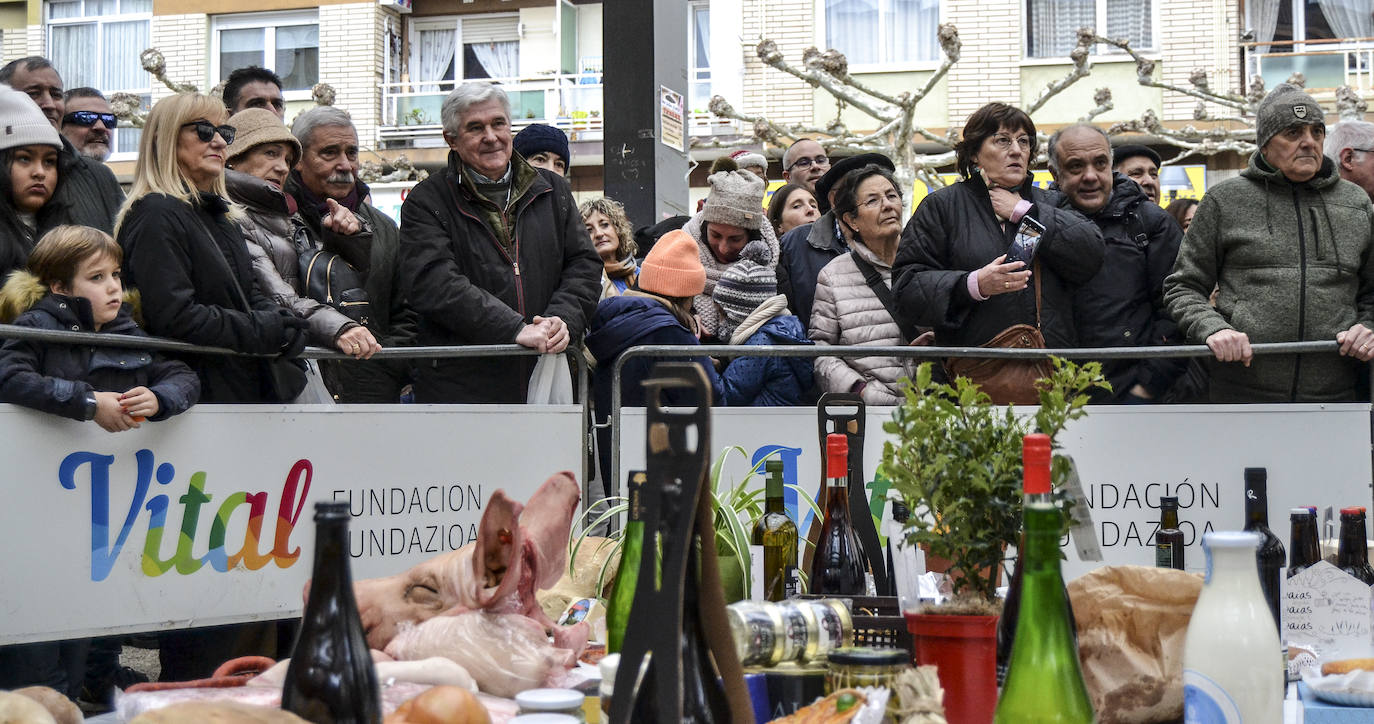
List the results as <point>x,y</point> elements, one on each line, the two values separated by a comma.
<point>1327,611</point>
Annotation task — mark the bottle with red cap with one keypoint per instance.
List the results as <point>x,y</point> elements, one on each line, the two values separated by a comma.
<point>1044,680</point>
<point>839,567</point>
<point>1352,554</point>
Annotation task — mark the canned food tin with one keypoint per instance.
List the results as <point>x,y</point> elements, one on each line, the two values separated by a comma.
<point>835,624</point>
<point>801,632</point>
<point>757,629</point>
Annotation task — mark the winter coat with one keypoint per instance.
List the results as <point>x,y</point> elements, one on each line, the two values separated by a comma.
<point>88,189</point>
<point>630,321</point>
<point>272,230</point>
<point>189,263</point>
<point>847,312</point>
<point>17,238</point>
<point>1123,304</point>
<point>805,251</point>
<point>56,378</point>
<point>468,289</point>
<point>703,304</point>
<point>954,232</point>
<point>769,381</point>
<point>1291,262</point>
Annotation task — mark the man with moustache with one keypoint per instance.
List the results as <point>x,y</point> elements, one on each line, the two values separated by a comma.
<point>1287,245</point>
<point>1123,304</point>
<point>89,190</point>
<point>88,122</point>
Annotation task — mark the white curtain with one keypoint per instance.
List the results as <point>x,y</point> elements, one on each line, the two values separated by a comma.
<point>850,26</point>
<point>70,48</point>
<point>121,44</point>
<point>436,49</point>
<point>298,56</point>
<point>1131,19</point>
<point>500,60</point>
<point>1349,18</point>
<point>1264,19</point>
<point>912,30</point>
<point>1054,26</point>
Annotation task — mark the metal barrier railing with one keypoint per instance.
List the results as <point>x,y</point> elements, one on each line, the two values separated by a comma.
<point>906,352</point>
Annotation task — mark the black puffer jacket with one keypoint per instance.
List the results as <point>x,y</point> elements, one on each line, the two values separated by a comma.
<point>88,189</point>
<point>1123,305</point>
<point>189,263</point>
<point>56,378</point>
<point>468,289</point>
<point>805,252</point>
<point>954,231</point>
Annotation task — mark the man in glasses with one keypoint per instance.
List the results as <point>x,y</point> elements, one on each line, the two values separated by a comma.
<point>88,189</point>
<point>1350,145</point>
<point>254,87</point>
<point>804,163</point>
<point>88,122</point>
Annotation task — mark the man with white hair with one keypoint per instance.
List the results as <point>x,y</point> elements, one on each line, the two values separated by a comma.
<point>1350,145</point>
<point>495,252</point>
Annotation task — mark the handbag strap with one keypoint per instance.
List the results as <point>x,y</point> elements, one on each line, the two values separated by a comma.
<point>1036,273</point>
<point>247,307</point>
<point>884,294</point>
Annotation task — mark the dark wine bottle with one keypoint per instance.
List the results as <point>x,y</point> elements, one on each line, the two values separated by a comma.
<point>330,679</point>
<point>775,535</point>
<point>703,694</point>
<point>1305,549</point>
<point>1352,553</point>
<point>627,575</point>
<point>839,567</point>
<point>1169,544</point>
<point>1271,555</point>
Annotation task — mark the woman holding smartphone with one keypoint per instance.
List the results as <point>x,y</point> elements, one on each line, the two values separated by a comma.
<point>952,270</point>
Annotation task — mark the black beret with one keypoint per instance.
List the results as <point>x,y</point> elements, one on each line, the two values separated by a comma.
<point>843,166</point>
<point>1121,153</point>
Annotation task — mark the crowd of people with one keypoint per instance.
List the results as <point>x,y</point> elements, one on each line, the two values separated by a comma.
<point>243,233</point>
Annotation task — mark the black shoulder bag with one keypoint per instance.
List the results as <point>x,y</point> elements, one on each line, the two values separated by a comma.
<point>884,294</point>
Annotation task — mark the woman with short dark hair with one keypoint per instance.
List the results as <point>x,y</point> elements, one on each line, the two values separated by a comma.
<point>952,271</point>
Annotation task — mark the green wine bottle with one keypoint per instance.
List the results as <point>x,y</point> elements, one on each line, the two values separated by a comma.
<point>1044,681</point>
<point>776,535</point>
<point>627,576</point>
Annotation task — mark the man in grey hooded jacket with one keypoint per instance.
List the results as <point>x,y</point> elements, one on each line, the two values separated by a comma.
<point>1287,245</point>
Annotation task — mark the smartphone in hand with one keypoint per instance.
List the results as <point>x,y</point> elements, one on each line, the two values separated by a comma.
<point>1025,243</point>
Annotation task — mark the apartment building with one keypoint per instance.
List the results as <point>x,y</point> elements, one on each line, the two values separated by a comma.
<point>392,61</point>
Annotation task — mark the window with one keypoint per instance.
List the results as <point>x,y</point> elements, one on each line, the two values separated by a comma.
<point>1286,21</point>
<point>95,44</point>
<point>699,55</point>
<point>490,49</point>
<point>873,32</point>
<point>1052,25</point>
<point>287,44</point>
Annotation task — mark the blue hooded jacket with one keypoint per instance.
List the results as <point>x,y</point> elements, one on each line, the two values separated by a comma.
<point>770,381</point>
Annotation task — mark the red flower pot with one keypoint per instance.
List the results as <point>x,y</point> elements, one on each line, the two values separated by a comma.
<point>964,649</point>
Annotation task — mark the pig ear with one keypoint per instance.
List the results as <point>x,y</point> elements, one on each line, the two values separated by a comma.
<point>547,522</point>
<point>498,543</point>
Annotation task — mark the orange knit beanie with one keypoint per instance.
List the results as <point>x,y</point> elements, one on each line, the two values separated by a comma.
<point>673,267</point>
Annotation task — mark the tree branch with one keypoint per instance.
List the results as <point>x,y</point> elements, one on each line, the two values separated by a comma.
<point>1145,70</point>
<point>768,53</point>
<point>1081,69</point>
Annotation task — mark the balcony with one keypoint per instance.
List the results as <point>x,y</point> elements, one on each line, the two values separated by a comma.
<point>1327,64</point>
<point>568,101</point>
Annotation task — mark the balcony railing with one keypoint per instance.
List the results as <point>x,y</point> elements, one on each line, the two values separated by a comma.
<point>569,101</point>
<point>1327,64</point>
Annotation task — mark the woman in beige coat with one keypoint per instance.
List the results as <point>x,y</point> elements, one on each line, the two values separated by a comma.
<point>846,310</point>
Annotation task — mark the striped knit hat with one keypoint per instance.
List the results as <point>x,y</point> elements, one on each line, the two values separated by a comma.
<point>748,283</point>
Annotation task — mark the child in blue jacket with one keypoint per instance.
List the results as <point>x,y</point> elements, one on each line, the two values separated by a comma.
<point>753,313</point>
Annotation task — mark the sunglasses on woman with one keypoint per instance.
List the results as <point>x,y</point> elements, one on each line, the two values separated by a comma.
<point>206,131</point>
<point>88,118</point>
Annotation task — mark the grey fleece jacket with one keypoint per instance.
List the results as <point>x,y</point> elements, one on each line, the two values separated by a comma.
<point>1291,262</point>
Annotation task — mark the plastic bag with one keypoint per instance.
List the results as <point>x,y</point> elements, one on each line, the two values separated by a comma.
<point>315,393</point>
<point>551,381</point>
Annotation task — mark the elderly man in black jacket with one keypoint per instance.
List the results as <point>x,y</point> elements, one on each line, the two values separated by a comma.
<point>494,251</point>
<point>89,189</point>
<point>1123,304</point>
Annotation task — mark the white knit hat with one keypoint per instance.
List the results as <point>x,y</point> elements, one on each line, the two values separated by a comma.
<point>736,199</point>
<point>22,122</point>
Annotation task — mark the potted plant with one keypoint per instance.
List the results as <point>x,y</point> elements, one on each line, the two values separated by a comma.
<point>955,461</point>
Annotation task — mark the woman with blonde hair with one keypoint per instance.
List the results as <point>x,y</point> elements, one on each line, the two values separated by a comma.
<point>186,255</point>
<point>609,229</point>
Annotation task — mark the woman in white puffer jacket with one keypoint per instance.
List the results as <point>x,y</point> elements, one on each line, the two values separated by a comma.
<point>846,310</point>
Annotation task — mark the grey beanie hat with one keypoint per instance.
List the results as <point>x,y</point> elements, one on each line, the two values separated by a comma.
<point>736,199</point>
<point>746,284</point>
<point>23,122</point>
<point>1286,105</point>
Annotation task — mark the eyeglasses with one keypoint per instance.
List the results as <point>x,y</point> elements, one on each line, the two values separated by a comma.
<point>1362,150</point>
<point>1003,142</point>
<point>88,118</point>
<point>206,131</point>
<point>807,162</point>
<point>876,201</point>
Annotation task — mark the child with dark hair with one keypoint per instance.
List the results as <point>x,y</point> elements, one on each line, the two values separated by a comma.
<point>28,178</point>
<point>73,283</point>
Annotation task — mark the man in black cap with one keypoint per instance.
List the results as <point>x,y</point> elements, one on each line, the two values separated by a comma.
<point>1141,165</point>
<point>808,248</point>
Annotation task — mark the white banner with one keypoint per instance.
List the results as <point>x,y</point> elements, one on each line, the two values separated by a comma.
<point>1127,458</point>
<point>207,518</point>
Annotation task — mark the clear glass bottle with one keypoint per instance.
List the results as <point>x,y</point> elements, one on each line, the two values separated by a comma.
<point>1044,680</point>
<point>627,575</point>
<point>1232,647</point>
<point>330,679</point>
<point>839,567</point>
<point>775,541</point>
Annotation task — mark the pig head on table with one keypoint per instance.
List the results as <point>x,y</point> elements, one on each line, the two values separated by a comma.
<point>519,550</point>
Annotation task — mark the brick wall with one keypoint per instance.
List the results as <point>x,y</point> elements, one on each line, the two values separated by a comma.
<point>768,91</point>
<point>354,66</point>
<point>989,68</point>
<point>1195,35</point>
<point>16,43</point>
<point>184,43</point>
